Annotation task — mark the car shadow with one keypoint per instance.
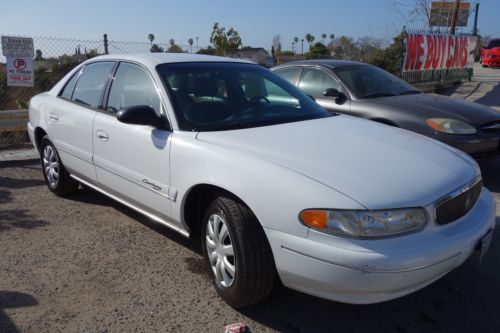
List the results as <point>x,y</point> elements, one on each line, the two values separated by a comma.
<point>490,171</point>
<point>11,300</point>
<point>490,98</point>
<point>90,196</point>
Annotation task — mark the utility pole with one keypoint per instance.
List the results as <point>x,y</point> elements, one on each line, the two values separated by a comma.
<point>105,44</point>
<point>474,29</point>
<point>454,17</point>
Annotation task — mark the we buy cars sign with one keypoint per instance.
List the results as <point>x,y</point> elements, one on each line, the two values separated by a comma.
<point>19,53</point>
<point>436,52</point>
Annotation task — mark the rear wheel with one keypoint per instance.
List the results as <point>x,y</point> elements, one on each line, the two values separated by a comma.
<point>56,176</point>
<point>237,253</point>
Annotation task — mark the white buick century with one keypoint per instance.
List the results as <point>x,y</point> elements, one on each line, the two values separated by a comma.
<point>226,152</point>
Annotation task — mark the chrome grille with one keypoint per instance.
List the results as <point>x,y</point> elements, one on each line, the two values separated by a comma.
<point>456,207</point>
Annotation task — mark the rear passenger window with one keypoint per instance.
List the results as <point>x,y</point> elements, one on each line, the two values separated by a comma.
<point>70,86</point>
<point>132,86</point>
<point>91,83</point>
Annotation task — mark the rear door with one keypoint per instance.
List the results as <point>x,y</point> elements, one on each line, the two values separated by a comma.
<point>132,161</point>
<point>71,115</point>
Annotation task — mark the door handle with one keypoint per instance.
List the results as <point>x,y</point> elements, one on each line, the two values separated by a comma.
<point>53,117</point>
<point>101,135</point>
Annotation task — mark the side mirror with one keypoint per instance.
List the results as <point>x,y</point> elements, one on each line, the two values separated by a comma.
<point>331,92</point>
<point>142,115</point>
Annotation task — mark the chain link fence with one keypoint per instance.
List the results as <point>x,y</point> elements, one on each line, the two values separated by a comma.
<point>55,57</point>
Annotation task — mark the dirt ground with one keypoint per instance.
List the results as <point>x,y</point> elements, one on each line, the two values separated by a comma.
<point>88,264</point>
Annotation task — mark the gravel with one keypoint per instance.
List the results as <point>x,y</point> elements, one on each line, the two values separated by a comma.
<point>87,264</point>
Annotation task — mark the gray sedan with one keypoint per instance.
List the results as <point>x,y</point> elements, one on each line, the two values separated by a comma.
<point>369,92</point>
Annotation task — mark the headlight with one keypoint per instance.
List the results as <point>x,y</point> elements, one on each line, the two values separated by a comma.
<point>450,126</point>
<point>365,223</point>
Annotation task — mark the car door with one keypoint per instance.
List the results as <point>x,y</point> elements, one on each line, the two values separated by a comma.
<point>313,81</point>
<point>71,115</point>
<point>132,161</point>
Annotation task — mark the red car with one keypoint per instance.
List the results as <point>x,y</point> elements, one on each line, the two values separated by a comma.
<point>490,55</point>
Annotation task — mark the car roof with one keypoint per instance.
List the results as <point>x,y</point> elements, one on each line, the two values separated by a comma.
<point>153,59</point>
<point>320,62</point>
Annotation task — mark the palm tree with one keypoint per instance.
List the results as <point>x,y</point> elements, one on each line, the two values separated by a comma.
<point>323,36</point>
<point>151,38</point>
<point>332,36</point>
<point>293,47</point>
<point>172,42</point>
<point>190,42</point>
<point>310,39</point>
<point>295,40</point>
<point>302,40</point>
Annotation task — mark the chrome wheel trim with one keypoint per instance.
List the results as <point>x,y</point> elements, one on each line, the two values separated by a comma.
<point>220,251</point>
<point>50,165</point>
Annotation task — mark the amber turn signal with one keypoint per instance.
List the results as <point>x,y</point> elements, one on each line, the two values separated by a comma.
<point>317,219</point>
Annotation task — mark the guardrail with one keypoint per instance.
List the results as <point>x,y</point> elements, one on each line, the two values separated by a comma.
<point>13,131</point>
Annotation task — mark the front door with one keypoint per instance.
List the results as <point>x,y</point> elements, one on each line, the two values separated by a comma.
<point>313,81</point>
<point>132,161</point>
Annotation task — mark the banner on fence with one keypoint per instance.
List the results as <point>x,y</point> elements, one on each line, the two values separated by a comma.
<point>436,52</point>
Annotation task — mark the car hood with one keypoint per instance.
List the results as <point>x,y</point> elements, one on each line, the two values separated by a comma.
<point>437,106</point>
<point>376,165</point>
<point>494,50</point>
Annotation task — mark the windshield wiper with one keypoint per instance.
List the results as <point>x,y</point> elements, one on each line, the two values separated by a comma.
<point>410,92</point>
<point>379,95</point>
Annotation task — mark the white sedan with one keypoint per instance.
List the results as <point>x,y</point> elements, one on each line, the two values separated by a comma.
<point>226,152</point>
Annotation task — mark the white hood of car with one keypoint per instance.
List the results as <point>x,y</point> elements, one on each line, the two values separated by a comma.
<point>376,165</point>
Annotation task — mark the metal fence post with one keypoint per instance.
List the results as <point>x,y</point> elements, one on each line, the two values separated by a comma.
<point>106,44</point>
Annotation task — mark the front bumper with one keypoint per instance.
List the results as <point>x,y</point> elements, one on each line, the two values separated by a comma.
<point>370,271</point>
<point>493,62</point>
<point>479,145</point>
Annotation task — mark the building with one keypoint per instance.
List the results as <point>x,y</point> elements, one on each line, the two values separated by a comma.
<point>256,54</point>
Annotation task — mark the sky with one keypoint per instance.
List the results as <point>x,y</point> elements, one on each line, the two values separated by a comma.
<point>257,21</point>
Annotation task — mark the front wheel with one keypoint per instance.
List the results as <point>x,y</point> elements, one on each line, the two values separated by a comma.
<point>56,176</point>
<point>237,253</point>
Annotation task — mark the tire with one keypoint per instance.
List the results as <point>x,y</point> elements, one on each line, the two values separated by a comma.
<point>56,176</point>
<point>252,260</point>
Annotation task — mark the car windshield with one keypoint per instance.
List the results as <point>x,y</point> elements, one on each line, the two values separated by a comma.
<point>493,43</point>
<point>372,82</point>
<point>212,96</point>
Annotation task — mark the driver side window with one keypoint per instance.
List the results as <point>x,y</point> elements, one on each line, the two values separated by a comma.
<point>132,86</point>
<point>314,81</point>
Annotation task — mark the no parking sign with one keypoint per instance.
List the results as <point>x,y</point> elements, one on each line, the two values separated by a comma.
<point>19,53</point>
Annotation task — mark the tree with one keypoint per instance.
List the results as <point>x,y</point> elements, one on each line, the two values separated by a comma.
<point>310,39</point>
<point>151,38</point>
<point>225,43</point>
<point>295,41</point>
<point>277,43</point>
<point>332,36</point>
<point>38,55</point>
<point>367,48</point>
<point>175,49</point>
<point>190,42</point>
<point>390,57</point>
<point>155,48</point>
<point>209,51</point>
<point>171,42</point>
<point>318,51</point>
<point>323,37</point>
<point>344,48</point>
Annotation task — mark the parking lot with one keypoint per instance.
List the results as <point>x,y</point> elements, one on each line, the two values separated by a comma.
<point>88,264</point>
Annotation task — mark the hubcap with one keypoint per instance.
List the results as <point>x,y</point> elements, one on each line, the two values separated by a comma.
<point>51,165</point>
<point>220,251</point>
